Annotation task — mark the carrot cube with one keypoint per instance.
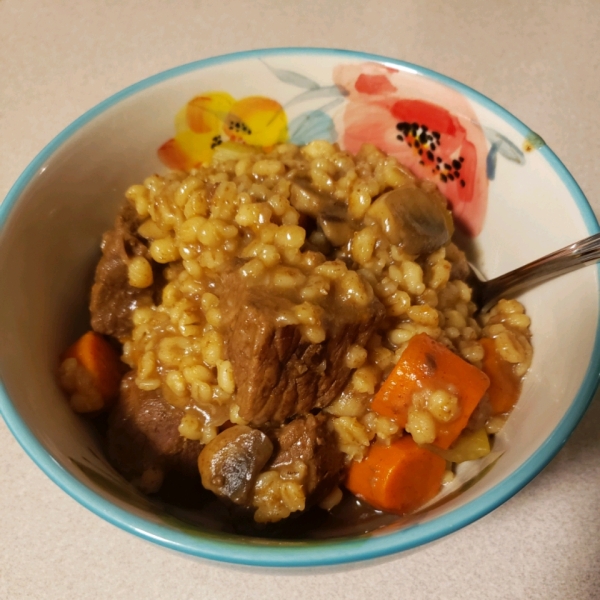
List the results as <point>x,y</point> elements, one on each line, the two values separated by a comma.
<point>427,364</point>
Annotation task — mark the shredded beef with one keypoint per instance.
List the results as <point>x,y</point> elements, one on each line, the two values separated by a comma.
<point>308,440</point>
<point>143,434</point>
<point>113,300</point>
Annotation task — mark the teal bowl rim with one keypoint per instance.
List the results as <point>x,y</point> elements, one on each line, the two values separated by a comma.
<point>311,553</point>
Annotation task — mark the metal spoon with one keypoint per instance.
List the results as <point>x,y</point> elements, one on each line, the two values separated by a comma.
<point>578,254</point>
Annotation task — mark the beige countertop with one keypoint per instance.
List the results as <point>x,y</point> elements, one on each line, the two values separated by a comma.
<point>540,60</point>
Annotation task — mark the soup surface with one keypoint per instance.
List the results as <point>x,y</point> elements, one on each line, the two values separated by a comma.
<point>273,331</point>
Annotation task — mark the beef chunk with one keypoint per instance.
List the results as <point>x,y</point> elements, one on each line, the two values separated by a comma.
<point>308,440</point>
<point>277,373</point>
<point>144,440</point>
<point>113,300</point>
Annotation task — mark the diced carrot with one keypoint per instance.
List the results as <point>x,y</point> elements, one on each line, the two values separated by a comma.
<point>100,360</point>
<point>427,364</point>
<point>505,386</point>
<point>398,478</point>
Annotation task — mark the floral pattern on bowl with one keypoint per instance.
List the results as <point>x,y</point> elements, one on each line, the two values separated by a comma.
<point>216,118</point>
<point>366,103</point>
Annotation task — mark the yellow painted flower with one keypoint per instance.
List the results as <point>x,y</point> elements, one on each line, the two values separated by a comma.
<point>257,121</point>
<point>215,118</point>
<point>205,114</point>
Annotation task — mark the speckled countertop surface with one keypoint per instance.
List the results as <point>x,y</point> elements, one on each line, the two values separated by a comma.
<point>540,60</point>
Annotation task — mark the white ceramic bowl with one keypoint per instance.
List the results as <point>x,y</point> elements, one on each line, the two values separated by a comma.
<point>52,219</point>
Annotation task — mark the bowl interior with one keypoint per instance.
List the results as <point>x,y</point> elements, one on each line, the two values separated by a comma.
<point>54,216</point>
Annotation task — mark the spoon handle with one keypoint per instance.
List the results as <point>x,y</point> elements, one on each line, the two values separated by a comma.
<point>578,254</point>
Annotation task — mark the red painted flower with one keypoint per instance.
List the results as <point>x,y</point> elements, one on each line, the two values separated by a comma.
<point>427,126</point>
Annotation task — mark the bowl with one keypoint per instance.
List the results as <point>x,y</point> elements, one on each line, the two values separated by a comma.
<point>514,199</point>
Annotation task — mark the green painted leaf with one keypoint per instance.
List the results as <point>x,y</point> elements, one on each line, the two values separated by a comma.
<point>313,125</point>
<point>293,78</point>
<point>322,92</point>
<point>504,146</point>
<point>533,142</point>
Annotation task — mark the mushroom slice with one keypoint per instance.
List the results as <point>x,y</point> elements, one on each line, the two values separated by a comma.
<point>331,214</point>
<point>230,463</point>
<point>334,222</point>
<point>305,198</point>
<point>413,218</point>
